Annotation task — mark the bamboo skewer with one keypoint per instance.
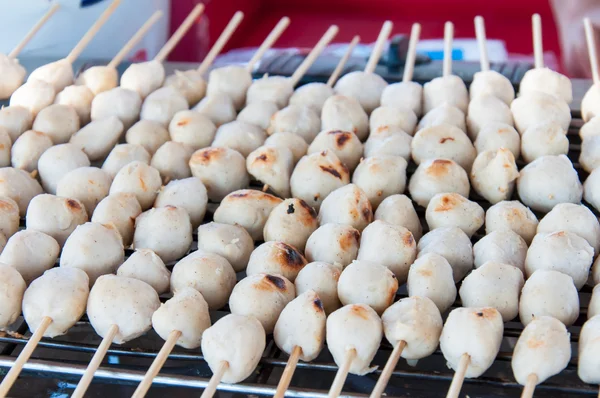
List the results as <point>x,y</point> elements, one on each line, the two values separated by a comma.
<point>135,39</point>
<point>448,38</point>
<point>288,372</point>
<point>591,45</point>
<point>538,48</point>
<point>17,50</point>
<point>221,41</point>
<point>179,33</point>
<point>459,376</point>
<point>210,389</point>
<point>268,42</point>
<point>390,365</point>
<point>482,43</point>
<point>529,386</point>
<point>384,34</point>
<point>411,55</point>
<point>314,54</point>
<point>340,66</point>
<point>342,373</point>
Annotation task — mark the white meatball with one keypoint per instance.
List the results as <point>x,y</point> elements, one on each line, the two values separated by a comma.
<point>437,176</point>
<point>544,139</point>
<point>589,103</point>
<point>312,95</point>
<point>276,89</point>
<point>537,107</point>
<point>403,118</point>
<point>148,134</point>
<point>381,176</point>
<point>165,230</point>
<point>486,109</point>
<point>34,95</point>
<point>476,332</point>
<point>575,218</point>
<point>301,324</point>
<point>388,141</point>
<point>276,258</point>
<point>390,245</point>
<point>143,77</point>
<point>501,246</point>
<point>493,175</point>
<point>120,102</point>
<point>57,161</point>
<point>125,302</point>
<point>495,285</point>
<point>494,136</point>
<point>232,242</point>
<point>13,75</point>
<point>549,292</point>
<point>9,216</point>
<point>404,94</point>
<point>141,180</point>
<point>237,340</point>
<point>60,294</point>
<point>548,181</point>
<point>417,322</point>
<point>28,148</point>
<point>322,278</point>
<point>172,160</point>
<point>588,351</point>
<point>19,186</point>
<point>291,221</point>
<point>221,170</point>
<point>560,251</point>
<point>187,313</point>
<point>59,74</point>
<point>189,84</point>
<point>272,166</point>
<point>232,81</point>
<point>347,205</point>
<point>99,78</point>
<point>452,244</point>
<point>259,113</point>
<point>120,210</point>
<point>345,113</point>
<point>445,114</point>
<point>94,248</point>
<point>242,137</point>
<point>589,158</point>
<point>99,137</point>
<point>365,282</point>
<point>89,185</point>
<point>162,105</point>
<point>447,142</point>
<point>589,129</point>
<point>490,82</point>
<point>399,210</point>
<point>548,81</point>
<point>263,296</point>
<point>188,194</point>
<point>208,273</point>
<point>300,120</point>
<point>146,266</point>
<point>511,215</point>
<point>431,276</point>
<point>344,144</point>
<point>446,89</point>
<point>123,154</point>
<point>354,327</point>
<point>454,210</point>
<point>594,305</point>
<point>192,128</point>
<point>591,191</point>
<point>367,88</point>
<point>543,349</point>
<point>316,176</point>
<point>334,244</point>
<point>79,98</point>
<point>219,108</point>
<point>16,119</point>
<point>12,287</point>
<point>59,122</point>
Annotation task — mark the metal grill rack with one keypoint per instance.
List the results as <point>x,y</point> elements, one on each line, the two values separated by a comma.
<point>57,364</point>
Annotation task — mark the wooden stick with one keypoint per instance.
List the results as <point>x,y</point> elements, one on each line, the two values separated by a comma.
<point>538,48</point>
<point>210,389</point>
<point>135,39</point>
<point>411,55</point>
<point>33,31</point>
<point>268,42</point>
<point>88,375</point>
<point>24,356</point>
<point>340,66</point>
<point>390,365</point>
<point>314,54</point>
<point>342,373</point>
<point>288,372</point>
<point>529,386</point>
<point>221,41</point>
<point>89,35</point>
<point>179,33</point>
<point>384,33</point>
<point>459,376</point>
<point>482,42</point>
<point>157,364</point>
<point>591,45</point>
<point>448,38</point>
